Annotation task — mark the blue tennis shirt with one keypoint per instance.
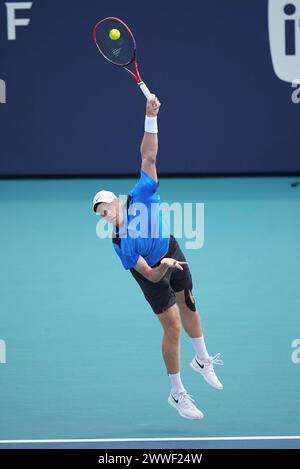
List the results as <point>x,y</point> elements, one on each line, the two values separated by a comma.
<point>144,232</point>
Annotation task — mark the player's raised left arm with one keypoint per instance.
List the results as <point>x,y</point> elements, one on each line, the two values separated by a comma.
<point>149,145</point>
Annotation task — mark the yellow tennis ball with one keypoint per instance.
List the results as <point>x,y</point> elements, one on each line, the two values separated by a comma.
<point>114,34</point>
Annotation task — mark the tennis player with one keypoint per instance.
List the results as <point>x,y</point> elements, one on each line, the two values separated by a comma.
<point>157,263</point>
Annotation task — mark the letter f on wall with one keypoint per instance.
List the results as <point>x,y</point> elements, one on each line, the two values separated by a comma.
<point>12,21</point>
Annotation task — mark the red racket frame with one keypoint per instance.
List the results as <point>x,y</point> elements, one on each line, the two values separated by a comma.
<point>136,76</point>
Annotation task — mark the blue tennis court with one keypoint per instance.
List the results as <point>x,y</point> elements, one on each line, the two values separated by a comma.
<point>83,349</point>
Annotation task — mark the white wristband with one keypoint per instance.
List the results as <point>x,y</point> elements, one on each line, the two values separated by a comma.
<point>151,125</point>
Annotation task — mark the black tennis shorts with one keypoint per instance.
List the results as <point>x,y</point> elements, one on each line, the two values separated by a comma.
<point>161,295</point>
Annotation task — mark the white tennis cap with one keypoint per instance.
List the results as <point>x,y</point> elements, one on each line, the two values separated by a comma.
<point>103,196</point>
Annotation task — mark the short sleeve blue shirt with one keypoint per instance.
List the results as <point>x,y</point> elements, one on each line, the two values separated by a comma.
<point>144,232</point>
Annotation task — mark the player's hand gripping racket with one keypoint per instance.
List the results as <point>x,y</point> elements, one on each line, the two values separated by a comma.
<point>116,43</point>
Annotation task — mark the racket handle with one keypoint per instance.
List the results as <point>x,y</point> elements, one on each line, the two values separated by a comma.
<point>145,90</point>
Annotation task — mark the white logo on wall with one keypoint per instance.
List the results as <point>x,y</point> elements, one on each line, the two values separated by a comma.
<point>2,92</point>
<point>2,351</point>
<point>12,21</point>
<point>284,35</point>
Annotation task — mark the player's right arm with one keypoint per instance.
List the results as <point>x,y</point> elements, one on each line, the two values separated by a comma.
<point>149,145</point>
<point>155,274</point>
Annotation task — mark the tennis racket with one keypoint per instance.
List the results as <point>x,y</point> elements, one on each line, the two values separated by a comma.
<point>116,43</point>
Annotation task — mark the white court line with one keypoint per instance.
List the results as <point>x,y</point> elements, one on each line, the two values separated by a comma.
<point>117,440</point>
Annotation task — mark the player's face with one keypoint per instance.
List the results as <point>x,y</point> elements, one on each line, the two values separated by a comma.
<point>110,211</point>
<point>107,211</point>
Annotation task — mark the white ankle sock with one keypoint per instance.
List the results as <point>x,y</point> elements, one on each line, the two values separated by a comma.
<point>176,383</point>
<point>200,348</point>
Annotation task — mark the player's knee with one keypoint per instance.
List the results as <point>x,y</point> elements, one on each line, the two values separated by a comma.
<point>172,327</point>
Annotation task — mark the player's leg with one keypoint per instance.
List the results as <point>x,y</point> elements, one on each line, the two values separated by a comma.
<point>170,321</point>
<point>202,363</point>
<point>182,284</point>
<point>190,317</point>
<point>162,300</point>
<point>178,398</point>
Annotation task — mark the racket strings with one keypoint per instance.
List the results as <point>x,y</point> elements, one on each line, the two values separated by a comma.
<point>119,51</point>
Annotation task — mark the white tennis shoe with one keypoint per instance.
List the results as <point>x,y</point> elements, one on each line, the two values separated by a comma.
<point>206,369</point>
<point>183,402</point>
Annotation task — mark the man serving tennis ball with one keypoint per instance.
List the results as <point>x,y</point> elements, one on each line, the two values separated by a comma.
<point>157,263</point>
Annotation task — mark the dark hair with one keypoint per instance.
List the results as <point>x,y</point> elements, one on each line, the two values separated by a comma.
<point>96,205</point>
